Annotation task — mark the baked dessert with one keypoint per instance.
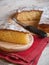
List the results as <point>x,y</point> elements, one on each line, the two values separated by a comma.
<point>13,36</point>
<point>12,41</point>
<point>44,27</point>
<point>31,17</point>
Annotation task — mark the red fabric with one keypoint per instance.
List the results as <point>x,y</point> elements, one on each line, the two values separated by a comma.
<point>29,56</point>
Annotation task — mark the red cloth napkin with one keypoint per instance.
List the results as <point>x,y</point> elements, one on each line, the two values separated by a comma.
<point>29,56</point>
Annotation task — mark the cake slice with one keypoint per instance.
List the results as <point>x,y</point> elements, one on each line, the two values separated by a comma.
<point>13,36</point>
<point>31,17</point>
<point>44,27</point>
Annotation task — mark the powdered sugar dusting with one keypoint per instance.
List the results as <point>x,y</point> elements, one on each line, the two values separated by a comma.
<point>10,24</point>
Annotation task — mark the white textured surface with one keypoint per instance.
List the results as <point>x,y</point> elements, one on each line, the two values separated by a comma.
<point>6,6</point>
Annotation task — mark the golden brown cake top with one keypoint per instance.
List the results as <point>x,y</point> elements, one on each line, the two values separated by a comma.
<point>31,17</point>
<point>14,36</point>
<point>28,15</point>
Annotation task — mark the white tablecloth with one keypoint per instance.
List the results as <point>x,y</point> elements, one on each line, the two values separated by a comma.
<point>7,6</point>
